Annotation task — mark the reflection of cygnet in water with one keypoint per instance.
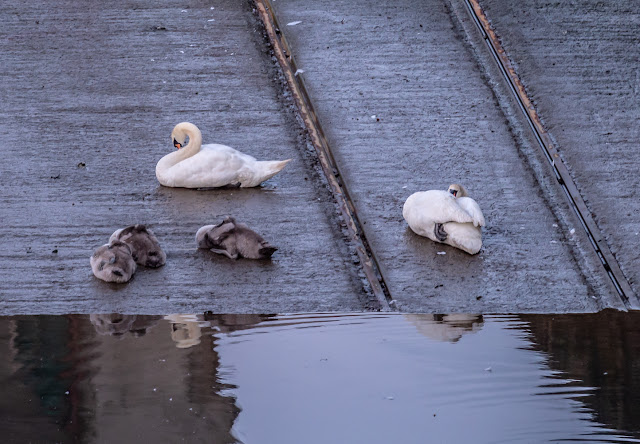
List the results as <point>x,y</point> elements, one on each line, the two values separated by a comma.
<point>115,324</point>
<point>446,328</point>
<point>144,245</point>
<point>186,330</point>
<point>234,240</point>
<point>113,262</point>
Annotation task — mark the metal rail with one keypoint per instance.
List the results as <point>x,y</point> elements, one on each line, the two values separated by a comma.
<point>607,259</point>
<point>330,168</point>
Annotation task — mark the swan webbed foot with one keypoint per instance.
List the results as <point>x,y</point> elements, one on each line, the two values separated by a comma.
<point>439,232</point>
<point>226,253</point>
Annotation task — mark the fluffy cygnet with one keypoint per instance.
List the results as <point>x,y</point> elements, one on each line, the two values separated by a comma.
<point>113,262</point>
<point>234,240</point>
<point>145,247</point>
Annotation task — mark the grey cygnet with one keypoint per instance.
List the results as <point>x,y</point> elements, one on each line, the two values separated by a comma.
<point>234,240</point>
<point>145,247</point>
<point>113,262</point>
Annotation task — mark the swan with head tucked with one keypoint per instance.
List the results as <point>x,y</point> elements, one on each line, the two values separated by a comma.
<point>144,245</point>
<point>234,240</point>
<point>213,165</point>
<point>449,217</point>
<point>113,262</point>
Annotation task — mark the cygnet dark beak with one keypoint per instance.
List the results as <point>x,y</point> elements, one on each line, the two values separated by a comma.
<point>177,144</point>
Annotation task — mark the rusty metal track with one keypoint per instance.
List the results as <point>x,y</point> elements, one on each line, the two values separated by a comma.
<point>330,168</point>
<point>560,170</point>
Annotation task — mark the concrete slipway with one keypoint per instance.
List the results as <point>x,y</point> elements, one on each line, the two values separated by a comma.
<point>90,96</point>
<point>409,100</point>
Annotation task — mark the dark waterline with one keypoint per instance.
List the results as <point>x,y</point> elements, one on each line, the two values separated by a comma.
<point>318,378</point>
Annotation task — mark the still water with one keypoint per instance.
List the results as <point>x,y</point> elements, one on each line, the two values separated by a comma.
<point>320,378</point>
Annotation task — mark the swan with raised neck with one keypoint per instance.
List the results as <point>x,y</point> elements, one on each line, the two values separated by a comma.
<point>213,165</point>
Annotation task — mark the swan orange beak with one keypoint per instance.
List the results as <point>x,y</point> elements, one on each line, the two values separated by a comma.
<point>454,192</point>
<point>177,144</point>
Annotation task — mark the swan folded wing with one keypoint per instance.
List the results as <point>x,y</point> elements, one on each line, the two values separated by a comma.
<point>471,207</point>
<point>448,210</point>
<point>434,206</point>
<point>211,168</point>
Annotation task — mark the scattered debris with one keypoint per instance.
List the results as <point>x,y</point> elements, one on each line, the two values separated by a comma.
<point>390,398</point>
<point>211,20</point>
<point>294,23</point>
<point>555,225</point>
<point>442,252</point>
<point>55,251</point>
<point>478,298</point>
<point>573,230</point>
<point>298,71</point>
<point>488,369</point>
<point>58,177</point>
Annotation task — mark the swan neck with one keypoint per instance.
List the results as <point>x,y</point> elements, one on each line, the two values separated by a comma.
<point>195,140</point>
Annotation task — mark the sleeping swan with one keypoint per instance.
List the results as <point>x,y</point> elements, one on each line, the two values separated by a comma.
<point>212,166</point>
<point>449,217</point>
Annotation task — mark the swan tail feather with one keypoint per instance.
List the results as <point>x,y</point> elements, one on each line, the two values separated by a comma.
<point>266,170</point>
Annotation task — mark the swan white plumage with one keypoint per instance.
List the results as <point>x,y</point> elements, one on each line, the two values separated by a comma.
<point>213,165</point>
<point>449,217</point>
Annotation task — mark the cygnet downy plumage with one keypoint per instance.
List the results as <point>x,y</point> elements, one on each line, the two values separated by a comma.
<point>449,217</point>
<point>234,240</point>
<point>145,247</point>
<point>113,262</point>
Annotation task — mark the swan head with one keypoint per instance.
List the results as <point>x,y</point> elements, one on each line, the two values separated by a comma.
<point>457,190</point>
<point>180,133</point>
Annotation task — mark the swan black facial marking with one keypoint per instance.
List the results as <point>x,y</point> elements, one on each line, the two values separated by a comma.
<point>177,144</point>
<point>439,232</point>
<point>454,192</point>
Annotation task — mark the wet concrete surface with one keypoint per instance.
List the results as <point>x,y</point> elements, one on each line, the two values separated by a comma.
<point>317,378</point>
<point>89,96</point>
<point>579,63</point>
<point>409,103</point>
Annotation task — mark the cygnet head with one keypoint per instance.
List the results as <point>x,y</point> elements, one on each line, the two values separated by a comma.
<point>181,132</point>
<point>113,262</point>
<point>144,245</point>
<point>457,190</point>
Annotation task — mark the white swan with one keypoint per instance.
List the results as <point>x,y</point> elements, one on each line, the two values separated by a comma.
<point>449,217</point>
<point>213,165</point>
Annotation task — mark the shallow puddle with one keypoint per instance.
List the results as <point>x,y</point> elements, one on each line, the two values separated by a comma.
<point>319,378</point>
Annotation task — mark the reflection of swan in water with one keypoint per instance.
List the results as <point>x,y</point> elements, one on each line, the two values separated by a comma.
<point>186,329</point>
<point>115,324</point>
<point>446,328</point>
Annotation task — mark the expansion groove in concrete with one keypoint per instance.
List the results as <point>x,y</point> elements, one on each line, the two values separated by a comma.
<point>89,96</point>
